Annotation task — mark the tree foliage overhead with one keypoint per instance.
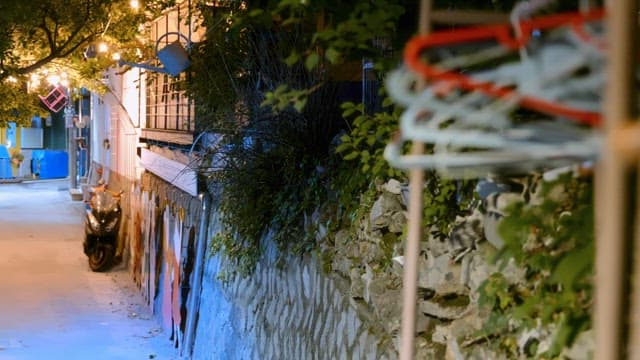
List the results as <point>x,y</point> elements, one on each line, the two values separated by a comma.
<point>49,37</point>
<point>282,70</point>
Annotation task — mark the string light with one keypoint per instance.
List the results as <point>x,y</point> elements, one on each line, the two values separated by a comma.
<point>35,80</point>
<point>53,79</point>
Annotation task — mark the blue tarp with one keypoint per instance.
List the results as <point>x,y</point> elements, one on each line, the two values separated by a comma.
<point>48,164</point>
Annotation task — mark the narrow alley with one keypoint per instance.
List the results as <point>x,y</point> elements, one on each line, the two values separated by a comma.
<point>52,306</point>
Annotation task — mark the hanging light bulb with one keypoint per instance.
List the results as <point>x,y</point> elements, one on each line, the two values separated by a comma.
<point>102,47</point>
<point>135,4</point>
<point>35,81</point>
<point>64,79</point>
<point>115,56</point>
<point>53,79</point>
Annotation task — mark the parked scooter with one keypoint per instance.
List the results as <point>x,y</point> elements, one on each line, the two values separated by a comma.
<point>101,227</point>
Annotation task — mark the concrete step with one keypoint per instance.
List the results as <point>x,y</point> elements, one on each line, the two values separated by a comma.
<point>76,194</point>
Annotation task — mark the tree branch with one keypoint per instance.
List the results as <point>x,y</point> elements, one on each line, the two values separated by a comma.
<point>57,51</point>
<point>81,42</point>
<point>78,29</point>
<point>59,54</point>
<point>47,32</point>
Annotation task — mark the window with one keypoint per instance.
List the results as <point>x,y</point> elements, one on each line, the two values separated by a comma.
<point>168,109</point>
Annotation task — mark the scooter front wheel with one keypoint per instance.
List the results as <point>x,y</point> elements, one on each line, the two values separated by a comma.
<point>101,257</point>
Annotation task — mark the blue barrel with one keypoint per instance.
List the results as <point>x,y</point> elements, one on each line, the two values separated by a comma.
<point>5,163</point>
<point>50,164</point>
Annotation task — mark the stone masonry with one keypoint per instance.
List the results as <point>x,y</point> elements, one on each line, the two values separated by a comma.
<point>292,313</point>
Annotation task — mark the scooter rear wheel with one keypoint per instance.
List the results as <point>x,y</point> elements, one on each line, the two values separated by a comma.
<point>101,257</point>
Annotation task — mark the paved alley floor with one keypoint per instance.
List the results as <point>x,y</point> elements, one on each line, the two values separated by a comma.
<point>52,306</point>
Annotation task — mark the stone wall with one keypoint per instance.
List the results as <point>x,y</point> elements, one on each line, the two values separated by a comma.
<point>303,311</point>
<point>292,313</point>
<point>452,267</point>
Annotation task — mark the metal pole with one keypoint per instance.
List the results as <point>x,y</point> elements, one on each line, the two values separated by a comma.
<point>198,270</point>
<point>614,227</point>
<point>73,168</point>
<point>412,249</point>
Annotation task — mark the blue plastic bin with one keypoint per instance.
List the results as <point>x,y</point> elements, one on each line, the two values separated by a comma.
<point>50,164</point>
<point>5,163</point>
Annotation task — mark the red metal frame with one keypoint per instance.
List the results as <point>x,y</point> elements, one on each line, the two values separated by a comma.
<point>55,100</point>
<point>502,33</point>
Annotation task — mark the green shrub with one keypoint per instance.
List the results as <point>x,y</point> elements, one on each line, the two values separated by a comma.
<point>554,243</point>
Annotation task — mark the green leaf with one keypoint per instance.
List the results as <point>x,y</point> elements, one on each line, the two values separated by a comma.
<point>312,61</point>
<point>290,21</point>
<point>280,106</point>
<point>267,102</point>
<point>563,336</point>
<point>347,104</point>
<point>358,121</point>
<point>300,104</point>
<point>292,58</point>
<point>351,155</point>
<point>332,55</point>
<point>348,112</point>
<point>280,90</point>
<point>574,264</point>
<point>343,147</point>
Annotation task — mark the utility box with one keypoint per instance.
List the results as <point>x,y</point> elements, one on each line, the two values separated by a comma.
<point>50,164</point>
<point>32,138</point>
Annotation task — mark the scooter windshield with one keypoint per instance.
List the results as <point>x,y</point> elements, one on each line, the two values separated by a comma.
<point>103,201</point>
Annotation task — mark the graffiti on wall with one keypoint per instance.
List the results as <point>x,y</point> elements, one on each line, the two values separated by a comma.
<point>160,263</point>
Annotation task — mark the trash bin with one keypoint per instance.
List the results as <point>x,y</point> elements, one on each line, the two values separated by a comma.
<point>50,164</point>
<point>5,163</point>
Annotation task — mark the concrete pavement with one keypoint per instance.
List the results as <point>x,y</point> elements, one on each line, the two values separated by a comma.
<point>51,305</point>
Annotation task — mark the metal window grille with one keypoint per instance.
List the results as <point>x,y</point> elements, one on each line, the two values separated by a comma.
<point>167,106</point>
